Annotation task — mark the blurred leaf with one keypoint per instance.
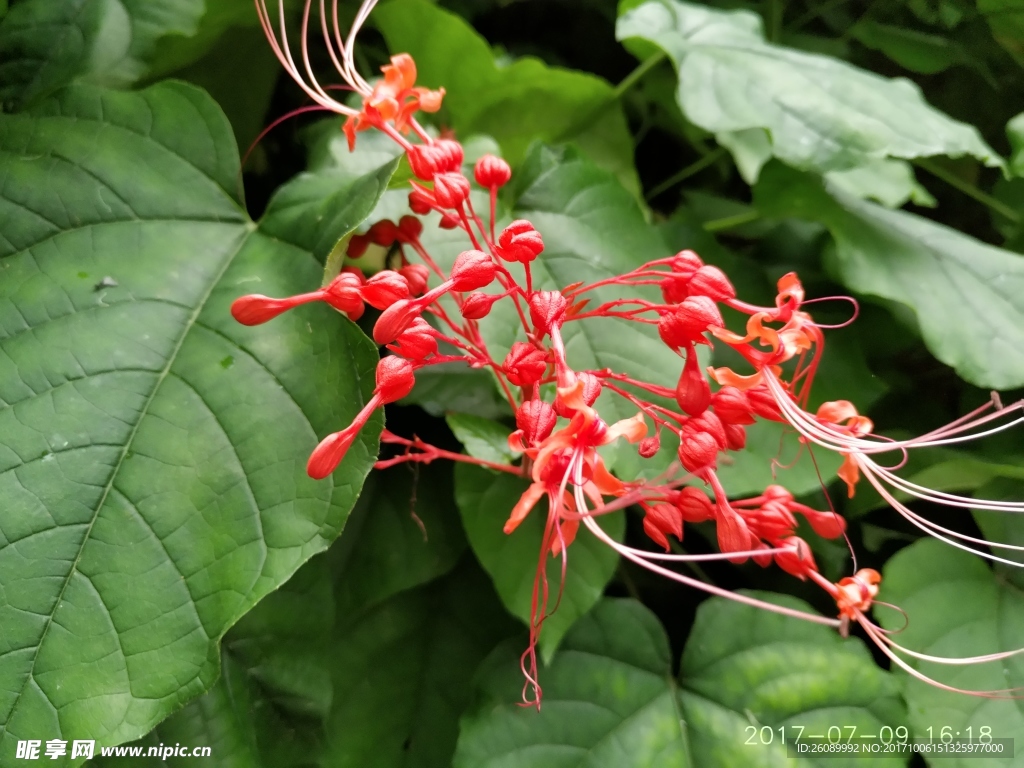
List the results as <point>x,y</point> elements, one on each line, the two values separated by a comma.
<point>405,531</point>
<point>485,499</point>
<point>968,296</point>
<point>482,438</point>
<point>153,485</point>
<point>1015,133</point>
<point>956,607</point>
<point>917,51</point>
<point>402,673</point>
<point>1006,18</point>
<point>609,701</point>
<point>820,113</point>
<point>517,103</point>
<point>889,182</point>
<point>777,671</point>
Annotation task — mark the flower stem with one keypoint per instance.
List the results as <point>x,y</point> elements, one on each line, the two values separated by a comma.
<point>693,168</point>
<point>637,74</point>
<point>717,225</point>
<point>969,189</point>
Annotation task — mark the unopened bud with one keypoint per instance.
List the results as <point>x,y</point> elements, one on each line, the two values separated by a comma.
<point>426,160</point>
<point>416,342</point>
<point>695,505</point>
<point>491,171</point>
<point>395,379</point>
<point>732,406</point>
<point>547,310</point>
<point>394,320</point>
<point>711,282</point>
<point>697,450</point>
<point>357,245</point>
<point>708,422</point>
<point>592,387</point>
<point>385,288</point>
<point>471,271</point>
<point>763,404</point>
<point>451,189</point>
<point>649,446</point>
<point>345,295</point>
<point>449,221</point>
<point>383,233</point>
<point>416,275</point>
<point>451,154</point>
<point>256,309</point>
<point>524,365</point>
<point>735,437</point>
<point>519,241</point>
<point>693,393</point>
<point>478,305</point>
<point>660,520</point>
<point>409,229</point>
<point>421,201</point>
<point>536,419</point>
<point>689,321</point>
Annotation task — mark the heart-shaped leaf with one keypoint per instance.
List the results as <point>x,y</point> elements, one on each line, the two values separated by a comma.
<point>152,479</point>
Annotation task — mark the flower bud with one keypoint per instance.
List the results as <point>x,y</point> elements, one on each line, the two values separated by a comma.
<point>449,221</point>
<point>409,229</point>
<point>694,505</point>
<point>383,233</point>
<point>693,393</point>
<point>519,241</point>
<point>394,320</point>
<point>331,450</point>
<point>547,310</point>
<point>416,342</point>
<point>536,419</point>
<point>416,275</point>
<point>708,422</point>
<point>735,437</point>
<point>763,404</point>
<point>798,560</point>
<point>357,245</point>
<point>649,446</point>
<point>451,154</point>
<point>478,305</point>
<point>592,387</point>
<point>689,321</point>
<point>426,160</point>
<point>256,308</point>
<point>421,201</point>
<point>451,189</point>
<point>697,450</point>
<point>356,272</point>
<point>686,263</point>
<point>525,364</point>
<point>471,271</point>
<point>673,289</point>
<point>384,289</point>
<point>662,519</point>
<point>395,379</point>
<point>711,282</point>
<point>731,406</point>
<point>828,525</point>
<point>491,171</point>
<point>344,294</point>
<point>733,534</point>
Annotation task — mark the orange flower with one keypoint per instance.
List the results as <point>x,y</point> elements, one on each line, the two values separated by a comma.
<point>395,98</point>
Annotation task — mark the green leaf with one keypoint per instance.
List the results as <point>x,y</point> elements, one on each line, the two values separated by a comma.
<point>889,182</point>
<point>968,296</point>
<point>47,45</point>
<point>1015,133</point>
<point>152,474</point>
<point>955,606</point>
<point>402,672</point>
<point>917,51</point>
<point>609,701</point>
<point>404,532</point>
<point>515,103</point>
<point>1006,18</point>
<point>485,499</point>
<point>745,668</point>
<point>482,438</point>
<point>820,113</point>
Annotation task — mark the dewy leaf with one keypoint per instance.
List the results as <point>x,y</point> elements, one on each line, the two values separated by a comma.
<point>820,113</point>
<point>517,103</point>
<point>47,45</point>
<point>485,499</point>
<point>956,606</point>
<point>482,438</point>
<point>402,672</point>
<point>609,701</point>
<point>745,668</point>
<point>152,450</point>
<point>968,296</point>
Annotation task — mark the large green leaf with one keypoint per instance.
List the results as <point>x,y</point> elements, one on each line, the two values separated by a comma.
<point>956,606</point>
<point>152,463</point>
<point>1006,18</point>
<point>816,112</point>
<point>968,296</point>
<point>485,499</point>
<point>745,668</point>
<point>46,45</point>
<point>516,103</point>
<point>609,701</point>
<point>402,672</point>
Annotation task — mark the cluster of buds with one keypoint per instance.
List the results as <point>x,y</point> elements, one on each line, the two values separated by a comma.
<point>559,429</point>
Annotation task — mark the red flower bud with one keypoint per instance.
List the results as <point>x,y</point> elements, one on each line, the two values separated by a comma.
<point>536,419</point>
<point>693,392</point>
<point>547,310</point>
<point>525,364</point>
<point>711,282</point>
<point>451,189</point>
<point>357,245</point>
<point>689,321</point>
<point>416,342</point>
<point>421,200</point>
<point>331,450</point>
<point>735,437</point>
<point>256,309</point>
<point>686,263</point>
<point>451,154</point>
<point>662,519</point>
<point>449,221</point>
<point>491,171</point>
<point>385,288</point>
<point>395,379</point>
<point>828,525</point>
<point>416,275</point>
<point>733,534</point>
<point>356,272</point>
<point>519,241</point>
<point>426,160</point>
<point>731,406</point>
<point>471,271</point>
<point>478,305</point>
<point>409,229</point>
<point>673,289</point>
<point>798,561</point>
<point>343,293</point>
<point>763,404</point>
<point>697,450</point>
<point>649,446</point>
<point>592,387</point>
<point>394,320</point>
<point>694,505</point>
<point>708,422</point>
<point>383,233</point>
